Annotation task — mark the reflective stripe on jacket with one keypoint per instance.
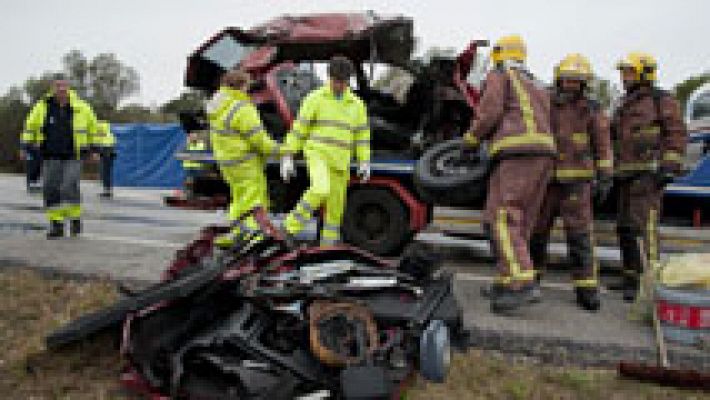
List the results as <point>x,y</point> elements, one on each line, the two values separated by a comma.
<point>236,131</point>
<point>104,136</point>
<point>513,116</point>
<point>194,147</point>
<point>335,128</point>
<point>648,133</point>
<point>581,133</point>
<point>84,124</point>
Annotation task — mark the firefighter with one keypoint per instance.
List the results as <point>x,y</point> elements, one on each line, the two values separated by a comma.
<point>62,127</point>
<point>241,147</point>
<point>194,149</point>
<point>513,116</point>
<point>649,139</point>
<point>584,156</point>
<point>106,147</point>
<point>330,128</point>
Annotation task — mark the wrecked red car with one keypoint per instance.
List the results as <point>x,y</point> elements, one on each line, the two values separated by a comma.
<point>265,321</point>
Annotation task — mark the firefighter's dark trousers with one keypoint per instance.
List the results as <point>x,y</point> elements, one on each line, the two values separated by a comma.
<point>572,202</point>
<point>516,190</point>
<point>639,210</point>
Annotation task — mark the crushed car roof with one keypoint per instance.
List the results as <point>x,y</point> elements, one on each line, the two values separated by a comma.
<point>359,36</point>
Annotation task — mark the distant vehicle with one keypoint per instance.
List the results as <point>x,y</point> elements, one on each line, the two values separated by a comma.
<point>411,103</point>
<point>692,191</point>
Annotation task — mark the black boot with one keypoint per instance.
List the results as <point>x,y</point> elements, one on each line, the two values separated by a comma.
<point>492,289</point>
<point>56,230</point>
<point>630,288</point>
<point>75,227</point>
<point>505,299</point>
<point>588,298</point>
<point>630,259</point>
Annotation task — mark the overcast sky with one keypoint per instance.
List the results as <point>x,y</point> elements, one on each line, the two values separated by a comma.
<point>155,36</point>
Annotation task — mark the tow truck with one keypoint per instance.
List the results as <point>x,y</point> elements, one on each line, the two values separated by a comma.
<point>412,104</point>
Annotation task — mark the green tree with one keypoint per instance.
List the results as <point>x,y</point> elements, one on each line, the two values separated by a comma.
<point>134,112</point>
<point>110,82</point>
<point>12,113</point>
<point>76,66</point>
<point>36,87</point>
<point>189,100</point>
<point>684,89</point>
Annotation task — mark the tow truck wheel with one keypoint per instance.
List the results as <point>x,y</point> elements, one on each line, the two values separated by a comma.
<point>376,220</point>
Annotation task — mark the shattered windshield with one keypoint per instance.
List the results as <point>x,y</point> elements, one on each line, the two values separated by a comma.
<point>227,52</point>
<point>479,69</point>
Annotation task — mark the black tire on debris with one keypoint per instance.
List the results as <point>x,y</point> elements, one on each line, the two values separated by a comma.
<point>376,220</point>
<point>185,283</point>
<point>447,175</point>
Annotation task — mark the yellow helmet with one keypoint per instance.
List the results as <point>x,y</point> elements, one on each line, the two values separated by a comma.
<point>574,66</point>
<point>643,64</point>
<point>508,48</point>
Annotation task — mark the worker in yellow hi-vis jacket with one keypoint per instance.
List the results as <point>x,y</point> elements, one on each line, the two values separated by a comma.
<point>331,127</point>
<point>62,128</point>
<point>241,147</point>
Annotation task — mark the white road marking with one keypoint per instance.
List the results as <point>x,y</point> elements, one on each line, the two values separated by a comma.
<point>131,240</point>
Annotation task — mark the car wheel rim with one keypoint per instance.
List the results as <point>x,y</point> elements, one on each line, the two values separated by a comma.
<point>453,163</point>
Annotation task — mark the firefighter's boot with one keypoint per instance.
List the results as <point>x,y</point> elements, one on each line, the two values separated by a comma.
<point>630,288</point>
<point>538,251</point>
<point>505,299</point>
<point>588,298</point>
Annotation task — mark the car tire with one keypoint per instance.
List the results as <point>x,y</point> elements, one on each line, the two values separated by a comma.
<point>376,220</point>
<point>183,284</point>
<point>443,178</point>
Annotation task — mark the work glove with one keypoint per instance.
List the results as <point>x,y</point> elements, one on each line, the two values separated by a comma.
<point>664,177</point>
<point>363,171</point>
<point>288,170</point>
<point>602,188</point>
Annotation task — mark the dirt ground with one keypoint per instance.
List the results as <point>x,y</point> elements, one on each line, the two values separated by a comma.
<point>32,306</point>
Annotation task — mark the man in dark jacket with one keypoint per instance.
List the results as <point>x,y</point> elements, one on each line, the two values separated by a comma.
<point>61,127</point>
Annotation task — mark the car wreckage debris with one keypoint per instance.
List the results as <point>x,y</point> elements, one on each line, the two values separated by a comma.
<point>264,321</point>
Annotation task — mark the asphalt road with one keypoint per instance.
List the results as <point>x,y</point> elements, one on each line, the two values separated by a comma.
<point>133,237</point>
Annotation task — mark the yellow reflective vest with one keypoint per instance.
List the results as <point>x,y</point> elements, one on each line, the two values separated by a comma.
<point>237,134</point>
<point>104,136</point>
<point>198,147</point>
<point>333,128</point>
<point>84,123</point>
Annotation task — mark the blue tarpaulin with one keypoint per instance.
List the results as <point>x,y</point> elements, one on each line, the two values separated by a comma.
<point>145,155</point>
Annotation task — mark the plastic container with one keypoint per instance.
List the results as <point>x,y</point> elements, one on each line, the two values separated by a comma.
<point>684,313</point>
